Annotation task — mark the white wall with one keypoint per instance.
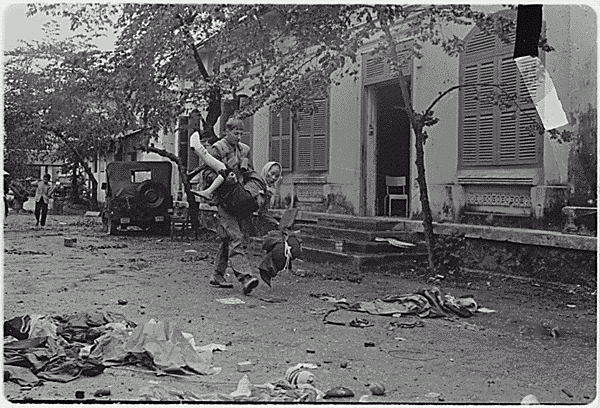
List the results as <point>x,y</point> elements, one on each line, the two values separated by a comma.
<point>344,142</point>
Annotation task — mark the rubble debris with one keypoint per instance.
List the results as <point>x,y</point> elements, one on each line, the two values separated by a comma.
<point>328,298</point>
<point>115,246</point>
<point>273,300</point>
<point>549,329</point>
<point>377,388</point>
<point>338,392</point>
<point>297,375</point>
<point>245,366</point>
<point>209,347</point>
<point>395,242</point>
<point>529,400</point>
<point>24,252</point>
<point>331,317</point>
<point>102,392</point>
<point>361,323</point>
<point>70,242</point>
<point>276,391</point>
<point>412,323</point>
<point>567,393</point>
<point>231,301</point>
<point>243,388</point>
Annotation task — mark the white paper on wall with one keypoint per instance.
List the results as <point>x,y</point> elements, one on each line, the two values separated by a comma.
<point>541,90</point>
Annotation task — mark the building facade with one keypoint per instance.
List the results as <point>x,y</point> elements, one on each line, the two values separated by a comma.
<point>479,159</point>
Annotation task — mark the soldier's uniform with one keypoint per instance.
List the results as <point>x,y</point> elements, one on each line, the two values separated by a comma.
<point>231,250</point>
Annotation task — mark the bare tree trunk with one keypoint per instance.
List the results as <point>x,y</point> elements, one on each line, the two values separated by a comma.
<point>417,126</point>
<point>94,192</point>
<point>74,186</point>
<point>424,197</point>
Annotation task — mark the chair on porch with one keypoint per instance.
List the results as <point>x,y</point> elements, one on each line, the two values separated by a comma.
<point>396,190</point>
<point>181,223</point>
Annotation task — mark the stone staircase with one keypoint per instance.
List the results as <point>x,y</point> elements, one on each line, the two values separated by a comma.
<point>356,241</point>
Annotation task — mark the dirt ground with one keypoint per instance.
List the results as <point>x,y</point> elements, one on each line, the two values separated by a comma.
<point>488,358</point>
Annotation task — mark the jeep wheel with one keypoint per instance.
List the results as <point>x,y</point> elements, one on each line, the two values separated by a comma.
<point>152,193</point>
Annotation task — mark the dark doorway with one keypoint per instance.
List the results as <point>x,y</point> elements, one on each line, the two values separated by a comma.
<point>393,144</point>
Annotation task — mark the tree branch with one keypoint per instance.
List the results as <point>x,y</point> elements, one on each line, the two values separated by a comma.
<point>452,88</point>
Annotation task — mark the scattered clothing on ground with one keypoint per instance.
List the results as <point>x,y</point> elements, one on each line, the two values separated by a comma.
<point>63,348</point>
<point>423,303</point>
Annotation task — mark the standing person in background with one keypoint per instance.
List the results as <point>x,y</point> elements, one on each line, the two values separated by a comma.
<point>42,197</point>
<point>6,184</point>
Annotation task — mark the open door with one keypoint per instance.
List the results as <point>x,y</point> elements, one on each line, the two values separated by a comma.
<point>392,144</point>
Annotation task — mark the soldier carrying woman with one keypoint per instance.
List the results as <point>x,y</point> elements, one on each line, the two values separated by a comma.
<point>237,191</point>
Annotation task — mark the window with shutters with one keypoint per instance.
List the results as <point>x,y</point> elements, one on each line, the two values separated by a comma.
<point>306,138</point>
<point>490,135</point>
<point>376,68</point>
<point>311,137</point>
<point>280,141</point>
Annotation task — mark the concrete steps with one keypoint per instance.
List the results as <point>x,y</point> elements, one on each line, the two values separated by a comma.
<point>352,240</point>
<point>357,234</point>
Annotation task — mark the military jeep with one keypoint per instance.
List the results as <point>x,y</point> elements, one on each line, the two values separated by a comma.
<point>138,194</point>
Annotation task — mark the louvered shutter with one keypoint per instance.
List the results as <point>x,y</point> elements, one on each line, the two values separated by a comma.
<point>478,110</point>
<point>529,146</point>
<point>489,135</point>
<point>375,68</point>
<point>312,138</point>
<point>280,149</point>
<point>518,141</point>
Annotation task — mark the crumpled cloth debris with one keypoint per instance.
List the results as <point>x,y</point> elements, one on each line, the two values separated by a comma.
<point>328,298</point>
<point>423,303</point>
<point>168,348</point>
<point>162,393</point>
<point>49,347</point>
<point>29,326</point>
<point>84,343</point>
<point>277,391</point>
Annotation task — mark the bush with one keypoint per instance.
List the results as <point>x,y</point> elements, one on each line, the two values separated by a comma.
<point>448,251</point>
